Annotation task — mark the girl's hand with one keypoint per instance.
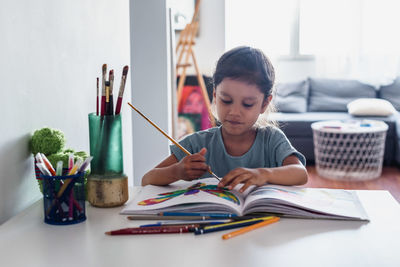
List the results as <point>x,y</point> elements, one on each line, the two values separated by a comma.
<point>242,175</point>
<point>192,166</point>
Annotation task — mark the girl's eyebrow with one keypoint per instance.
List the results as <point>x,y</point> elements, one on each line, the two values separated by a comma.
<point>250,98</point>
<point>246,98</point>
<point>224,94</point>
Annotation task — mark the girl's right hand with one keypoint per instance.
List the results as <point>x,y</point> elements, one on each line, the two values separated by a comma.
<point>192,166</point>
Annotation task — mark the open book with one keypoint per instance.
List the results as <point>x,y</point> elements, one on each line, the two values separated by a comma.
<point>290,201</point>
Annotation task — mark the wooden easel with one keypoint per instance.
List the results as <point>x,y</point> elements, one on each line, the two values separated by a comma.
<point>184,50</point>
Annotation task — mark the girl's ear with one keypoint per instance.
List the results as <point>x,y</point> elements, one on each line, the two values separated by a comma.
<point>214,95</point>
<point>265,104</point>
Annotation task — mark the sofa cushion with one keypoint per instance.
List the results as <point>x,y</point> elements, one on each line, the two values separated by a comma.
<point>334,95</point>
<point>370,107</point>
<point>291,97</point>
<point>392,93</point>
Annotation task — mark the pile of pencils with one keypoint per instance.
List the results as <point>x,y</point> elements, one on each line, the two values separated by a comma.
<point>197,223</point>
<point>107,101</point>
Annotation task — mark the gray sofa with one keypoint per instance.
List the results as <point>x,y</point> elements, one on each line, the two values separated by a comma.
<point>299,104</point>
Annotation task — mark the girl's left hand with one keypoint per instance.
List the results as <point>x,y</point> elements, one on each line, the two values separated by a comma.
<point>242,175</point>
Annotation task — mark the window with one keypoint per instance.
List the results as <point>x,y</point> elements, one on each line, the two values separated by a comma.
<point>346,38</point>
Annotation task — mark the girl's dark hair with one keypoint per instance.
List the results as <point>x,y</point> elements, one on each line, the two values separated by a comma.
<point>246,64</point>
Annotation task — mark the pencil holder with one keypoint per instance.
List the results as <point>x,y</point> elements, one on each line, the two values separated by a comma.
<point>107,183</point>
<point>63,198</point>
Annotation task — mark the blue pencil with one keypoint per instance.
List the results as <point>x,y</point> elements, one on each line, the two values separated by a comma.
<point>225,227</point>
<point>204,222</point>
<point>210,215</point>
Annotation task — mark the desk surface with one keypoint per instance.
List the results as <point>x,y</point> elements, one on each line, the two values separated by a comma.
<point>25,240</point>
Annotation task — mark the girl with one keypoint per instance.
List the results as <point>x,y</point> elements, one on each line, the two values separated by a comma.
<point>240,150</point>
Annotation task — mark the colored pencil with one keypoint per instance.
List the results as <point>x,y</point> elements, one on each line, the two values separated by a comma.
<point>186,222</point>
<point>180,218</point>
<point>48,164</point>
<point>121,90</point>
<point>103,90</point>
<point>149,230</point>
<point>73,171</point>
<point>170,138</point>
<point>210,215</point>
<point>222,227</point>
<point>249,228</point>
<point>239,222</point>
<point>188,225</point>
<point>70,161</point>
<point>43,169</point>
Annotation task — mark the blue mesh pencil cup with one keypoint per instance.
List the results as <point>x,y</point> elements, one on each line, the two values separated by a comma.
<point>64,198</point>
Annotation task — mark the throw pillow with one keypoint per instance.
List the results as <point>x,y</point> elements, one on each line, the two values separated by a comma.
<point>335,94</point>
<point>370,107</point>
<point>291,97</point>
<point>392,93</point>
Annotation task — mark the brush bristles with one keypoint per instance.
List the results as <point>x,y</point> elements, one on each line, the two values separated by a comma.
<point>125,70</point>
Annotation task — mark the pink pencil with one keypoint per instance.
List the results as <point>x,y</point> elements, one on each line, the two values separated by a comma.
<point>121,90</point>
<point>71,204</point>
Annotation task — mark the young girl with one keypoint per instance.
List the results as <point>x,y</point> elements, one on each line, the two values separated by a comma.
<point>240,151</point>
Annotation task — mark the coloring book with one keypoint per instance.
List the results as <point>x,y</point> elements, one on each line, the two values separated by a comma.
<point>204,196</point>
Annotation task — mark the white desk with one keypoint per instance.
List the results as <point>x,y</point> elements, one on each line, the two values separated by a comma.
<point>26,240</point>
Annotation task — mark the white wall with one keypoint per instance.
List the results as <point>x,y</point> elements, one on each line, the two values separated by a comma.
<point>50,55</point>
<point>210,43</point>
<point>151,83</point>
<point>210,40</point>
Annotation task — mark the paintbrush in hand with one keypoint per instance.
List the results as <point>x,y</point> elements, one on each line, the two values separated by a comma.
<point>170,138</point>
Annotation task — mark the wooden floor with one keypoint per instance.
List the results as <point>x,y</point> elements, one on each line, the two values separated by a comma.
<point>389,180</point>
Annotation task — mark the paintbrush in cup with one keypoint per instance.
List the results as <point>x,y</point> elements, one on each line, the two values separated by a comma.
<point>121,90</point>
<point>97,96</point>
<point>111,100</point>
<point>103,90</point>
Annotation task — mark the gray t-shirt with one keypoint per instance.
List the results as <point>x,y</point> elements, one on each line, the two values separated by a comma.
<point>269,149</point>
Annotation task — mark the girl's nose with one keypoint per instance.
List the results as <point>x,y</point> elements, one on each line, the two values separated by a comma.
<point>234,110</point>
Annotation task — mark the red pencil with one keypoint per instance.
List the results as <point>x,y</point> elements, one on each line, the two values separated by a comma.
<point>121,90</point>
<point>150,230</point>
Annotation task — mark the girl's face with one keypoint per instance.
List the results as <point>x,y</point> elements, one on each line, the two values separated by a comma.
<point>238,105</point>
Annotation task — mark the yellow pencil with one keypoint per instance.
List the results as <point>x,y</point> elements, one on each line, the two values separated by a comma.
<point>170,138</point>
<point>238,222</point>
<point>67,181</point>
<point>249,228</point>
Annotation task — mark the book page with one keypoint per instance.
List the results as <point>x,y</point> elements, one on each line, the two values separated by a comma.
<point>195,196</point>
<point>309,202</point>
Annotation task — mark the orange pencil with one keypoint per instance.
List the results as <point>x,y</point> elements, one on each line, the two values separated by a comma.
<point>249,228</point>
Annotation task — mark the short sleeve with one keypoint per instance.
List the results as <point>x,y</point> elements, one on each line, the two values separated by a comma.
<point>179,154</point>
<point>283,148</point>
<point>192,143</point>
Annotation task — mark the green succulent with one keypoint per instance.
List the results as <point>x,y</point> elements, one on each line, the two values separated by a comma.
<point>47,141</point>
